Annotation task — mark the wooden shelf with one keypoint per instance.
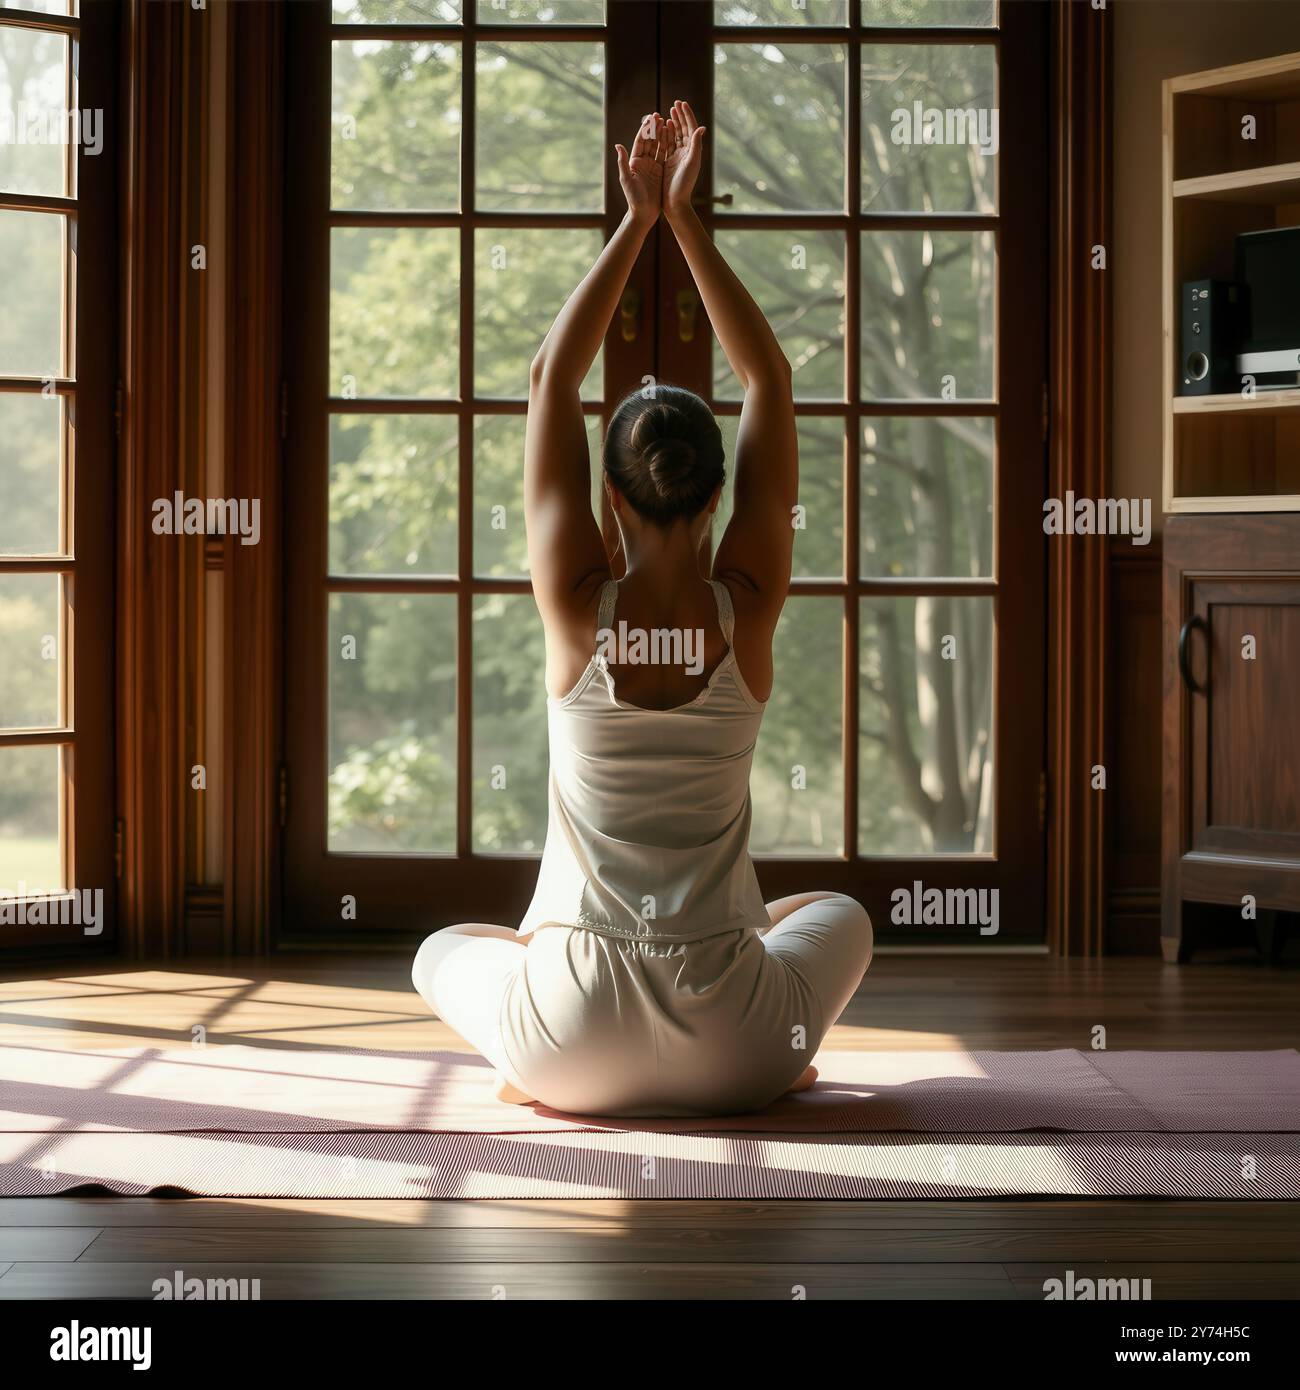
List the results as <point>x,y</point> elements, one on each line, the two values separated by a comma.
<point>1226,453</point>
<point>1271,184</point>
<point>1233,403</point>
<point>1260,502</point>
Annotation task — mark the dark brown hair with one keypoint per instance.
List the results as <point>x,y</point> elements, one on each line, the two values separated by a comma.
<point>663,452</point>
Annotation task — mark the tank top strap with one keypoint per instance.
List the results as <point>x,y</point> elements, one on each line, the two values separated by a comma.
<point>608,598</point>
<point>726,614</point>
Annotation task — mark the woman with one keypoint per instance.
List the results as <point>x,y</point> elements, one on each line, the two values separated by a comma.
<point>648,977</point>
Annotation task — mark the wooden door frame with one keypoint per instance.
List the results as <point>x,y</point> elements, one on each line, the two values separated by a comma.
<point>85,385</point>
<point>1080,177</point>
<point>434,890</point>
<point>1021,318</point>
<point>1079,407</point>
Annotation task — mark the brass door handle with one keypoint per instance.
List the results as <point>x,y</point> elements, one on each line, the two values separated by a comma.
<point>687,306</point>
<point>724,200</point>
<point>629,313</point>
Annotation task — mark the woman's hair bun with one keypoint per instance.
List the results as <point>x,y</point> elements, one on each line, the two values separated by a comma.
<point>663,452</point>
<point>671,462</point>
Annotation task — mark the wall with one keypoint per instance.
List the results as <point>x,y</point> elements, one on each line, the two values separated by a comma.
<point>1155,39</point>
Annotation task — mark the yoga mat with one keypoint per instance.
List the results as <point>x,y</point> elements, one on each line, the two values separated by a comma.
<point>304,1122</point>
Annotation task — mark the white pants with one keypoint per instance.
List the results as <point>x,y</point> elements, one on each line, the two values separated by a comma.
<point>597,1025</point>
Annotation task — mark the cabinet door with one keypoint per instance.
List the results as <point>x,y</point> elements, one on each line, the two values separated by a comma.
<point>1240,650</point>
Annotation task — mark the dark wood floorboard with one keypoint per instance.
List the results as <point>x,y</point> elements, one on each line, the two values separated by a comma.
<point>340,1249</point>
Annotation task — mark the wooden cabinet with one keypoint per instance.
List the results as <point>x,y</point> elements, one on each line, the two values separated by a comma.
<point>1231,718</point>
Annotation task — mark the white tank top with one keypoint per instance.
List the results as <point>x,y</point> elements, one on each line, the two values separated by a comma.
<point>648,828</point>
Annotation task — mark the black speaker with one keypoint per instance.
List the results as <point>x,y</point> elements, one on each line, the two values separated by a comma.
<point>1213,325</point>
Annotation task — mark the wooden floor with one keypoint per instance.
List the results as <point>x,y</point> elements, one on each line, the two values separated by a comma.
<point>118,1247</point>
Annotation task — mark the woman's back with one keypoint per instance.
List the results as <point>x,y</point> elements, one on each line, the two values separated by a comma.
<point>649,809</point>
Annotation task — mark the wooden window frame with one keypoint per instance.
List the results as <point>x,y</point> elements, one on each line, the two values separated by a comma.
<point>496,887</point>
<point>491,887</point>
<point>1078,180</point>
<point>1016,406</point>
<point>86,389</point>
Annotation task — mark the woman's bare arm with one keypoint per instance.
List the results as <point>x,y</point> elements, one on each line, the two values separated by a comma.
<point>758,546</point>
<point>565,551</point>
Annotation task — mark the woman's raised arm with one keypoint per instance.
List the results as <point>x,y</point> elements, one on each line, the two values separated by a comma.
<point>758,547</point>
<point>565,551</point>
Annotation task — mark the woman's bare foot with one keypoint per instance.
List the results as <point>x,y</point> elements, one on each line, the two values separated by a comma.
<point>511,1095</point>
<point>805,1082</point>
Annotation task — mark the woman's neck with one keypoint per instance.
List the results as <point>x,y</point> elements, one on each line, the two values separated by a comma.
<point>667,562</point>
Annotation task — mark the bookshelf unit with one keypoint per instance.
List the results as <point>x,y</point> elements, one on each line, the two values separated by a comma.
<point>1227,453</point>
<point>1231,628</point>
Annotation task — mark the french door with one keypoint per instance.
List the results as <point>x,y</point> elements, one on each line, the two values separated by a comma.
<point>57,247</point>
<point>876,175</point>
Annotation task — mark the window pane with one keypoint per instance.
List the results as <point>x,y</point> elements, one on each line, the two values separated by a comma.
<point>30,787</point>
<point>510,754</point>
<point>819,526</point>
<point>31,436</point>
<point>929,127</point>
<point>395,140</point>
<point>31,307</point>
<point>927,497</point>
<point>540,128</point>
<point>798,779</point>
<point>392,723</point>
<point>396,11</point>
<point>34,119</point>
<point>394,311</point>
<point>925,752</point>
<point>797,277</point>
<point>30,638</point>
<point>500,544</point>
<point>393,481</point>
<point>522,276</point>
<point>768,12</point>
<point>541,11</point>
<point>780,126</point>
<point>931,13</point>
<point>927,315</point>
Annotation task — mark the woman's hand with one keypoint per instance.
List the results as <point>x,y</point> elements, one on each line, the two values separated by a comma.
<point>641,175</point>
<point>683,141</point>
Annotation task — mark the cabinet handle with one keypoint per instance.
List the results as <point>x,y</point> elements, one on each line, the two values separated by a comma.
<point>1195,621</point>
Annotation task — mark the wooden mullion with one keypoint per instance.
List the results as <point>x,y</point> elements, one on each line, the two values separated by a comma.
<point>469,27</point>
<point>442,217</point>
<point>39,202</point>
<point>830,34</point>
<point>37,564</point>
<point>36,738</point>
<point>37,19</point>
<point>465,469</point>
<point>852,432</point>
<point>35,385</point>
<point>846,221</point>
<point>473,405</point>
